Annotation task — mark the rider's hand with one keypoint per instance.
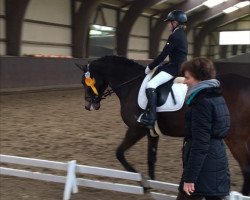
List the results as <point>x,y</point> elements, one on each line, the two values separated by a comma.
<point>188,188</point>
<point>147,70</point>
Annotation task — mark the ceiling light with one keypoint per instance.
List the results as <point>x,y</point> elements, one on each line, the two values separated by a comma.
<point>242,4</point>
<point>230,9</point>
<point>212,3</point>
<point>160,2</point>
<point>96,26</point>
<point>102,28</point>
<point>106,28</point>
<point>94,32</point>
<point>236,7</point>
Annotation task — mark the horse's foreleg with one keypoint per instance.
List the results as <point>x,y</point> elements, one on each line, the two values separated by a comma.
<point>131,138</point>
<point>152,155</point>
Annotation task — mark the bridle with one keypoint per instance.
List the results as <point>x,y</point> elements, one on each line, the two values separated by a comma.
<point>94,98</point>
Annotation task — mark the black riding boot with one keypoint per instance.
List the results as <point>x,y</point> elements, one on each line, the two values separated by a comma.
<point>148,118</point>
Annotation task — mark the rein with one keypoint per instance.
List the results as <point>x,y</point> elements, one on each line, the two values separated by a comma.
<point>111,91</point>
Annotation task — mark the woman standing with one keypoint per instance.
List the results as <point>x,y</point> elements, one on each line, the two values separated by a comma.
<point>205,163</point>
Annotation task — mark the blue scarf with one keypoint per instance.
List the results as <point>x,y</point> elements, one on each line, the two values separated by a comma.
<point>195,89</point>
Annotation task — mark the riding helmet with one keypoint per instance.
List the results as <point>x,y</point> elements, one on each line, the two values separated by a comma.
<point>177,15</point>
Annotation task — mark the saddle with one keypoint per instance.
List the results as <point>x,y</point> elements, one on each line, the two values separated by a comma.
<point>170,95</point>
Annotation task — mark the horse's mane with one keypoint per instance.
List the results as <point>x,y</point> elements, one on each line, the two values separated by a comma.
<point>120,60</point>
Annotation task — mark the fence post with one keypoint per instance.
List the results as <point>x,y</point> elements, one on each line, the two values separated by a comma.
<point>70,184</point>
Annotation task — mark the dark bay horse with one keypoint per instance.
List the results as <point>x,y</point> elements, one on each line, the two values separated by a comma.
<point>125,76</point>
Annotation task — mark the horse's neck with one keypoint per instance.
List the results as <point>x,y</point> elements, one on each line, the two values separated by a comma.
<point>122,79</point>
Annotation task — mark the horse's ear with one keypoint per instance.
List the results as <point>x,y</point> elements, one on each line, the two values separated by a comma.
<point>82,67</point>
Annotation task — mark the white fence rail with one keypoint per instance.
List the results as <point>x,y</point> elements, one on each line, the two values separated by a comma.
<point>72,182</point>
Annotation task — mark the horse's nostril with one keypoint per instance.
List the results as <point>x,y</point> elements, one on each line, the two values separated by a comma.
<point>87,108</point>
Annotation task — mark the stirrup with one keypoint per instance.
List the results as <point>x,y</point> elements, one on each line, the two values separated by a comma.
<point>149,126</point>
<point>139,118</point>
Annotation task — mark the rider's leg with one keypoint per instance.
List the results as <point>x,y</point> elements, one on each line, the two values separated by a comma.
<point>149,117</point>
<point>159,79</point>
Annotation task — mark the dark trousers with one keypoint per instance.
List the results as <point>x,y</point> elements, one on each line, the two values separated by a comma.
<point>184,196</point>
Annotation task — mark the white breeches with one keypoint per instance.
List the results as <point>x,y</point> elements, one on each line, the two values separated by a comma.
<point>159,79</point>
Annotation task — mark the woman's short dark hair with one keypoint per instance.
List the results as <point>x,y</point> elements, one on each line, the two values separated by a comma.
<point>200,68</point>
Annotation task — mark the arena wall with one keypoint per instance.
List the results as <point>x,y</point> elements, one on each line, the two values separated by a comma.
<point>138,41</point>
<point>28,73</point>
<point>47,30</point>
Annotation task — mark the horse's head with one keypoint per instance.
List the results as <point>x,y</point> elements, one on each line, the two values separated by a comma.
<point>114,71</point>
<point>94,86</point>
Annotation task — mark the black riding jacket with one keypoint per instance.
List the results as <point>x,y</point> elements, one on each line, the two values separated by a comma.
<point>204,154</point>
<point>177,50</point>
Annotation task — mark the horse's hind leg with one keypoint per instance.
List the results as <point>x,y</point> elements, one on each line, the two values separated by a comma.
<point>241,152</point>
<point>246,184</point>
<point>246,171</point>
<point>152,155</point>
<point>131,138</point>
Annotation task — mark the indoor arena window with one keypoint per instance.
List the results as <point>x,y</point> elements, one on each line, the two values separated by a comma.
<point>101,41</point>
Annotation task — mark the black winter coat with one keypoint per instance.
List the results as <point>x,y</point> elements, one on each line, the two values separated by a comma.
<point>177,50</point>
<point>204,155</point>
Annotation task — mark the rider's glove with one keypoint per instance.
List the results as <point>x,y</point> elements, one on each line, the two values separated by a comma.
<point>147,70</point>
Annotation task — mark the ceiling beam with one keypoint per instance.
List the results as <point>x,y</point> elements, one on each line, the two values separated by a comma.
<point>215,23</point>
<point>209,13</point>
<point>15,11</point>
<point>160,25</point>
<point>80,27</point>
<point>125,25</point>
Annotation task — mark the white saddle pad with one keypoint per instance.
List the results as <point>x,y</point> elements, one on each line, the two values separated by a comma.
<point>179,90</point>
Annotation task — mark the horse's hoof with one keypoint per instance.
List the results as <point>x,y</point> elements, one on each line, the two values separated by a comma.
<point>145,184</point>
<point>146,189</point>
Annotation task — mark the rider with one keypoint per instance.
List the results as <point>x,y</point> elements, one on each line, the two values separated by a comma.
<point>177,49</point>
